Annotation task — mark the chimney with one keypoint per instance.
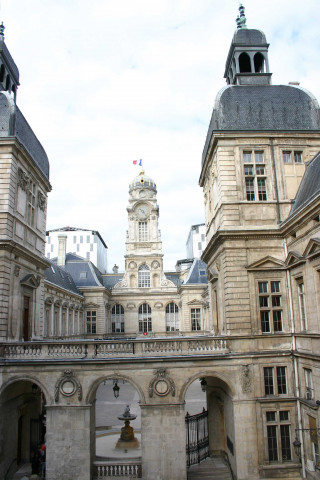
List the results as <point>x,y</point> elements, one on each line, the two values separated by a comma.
<point>62,250</point>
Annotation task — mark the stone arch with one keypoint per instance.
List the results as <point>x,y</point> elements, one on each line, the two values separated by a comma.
<point>113,376</point>
<point>244,63</point>
<point>259,63</point>
<point>27,378</point>
<point>205,373</point>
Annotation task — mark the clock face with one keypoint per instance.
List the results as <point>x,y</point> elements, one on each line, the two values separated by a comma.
<point>143,211</point>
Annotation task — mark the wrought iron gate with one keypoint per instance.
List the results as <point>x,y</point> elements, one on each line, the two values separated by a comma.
<point>197,437</point>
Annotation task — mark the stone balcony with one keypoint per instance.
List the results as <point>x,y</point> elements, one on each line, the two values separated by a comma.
<point>108,349</point>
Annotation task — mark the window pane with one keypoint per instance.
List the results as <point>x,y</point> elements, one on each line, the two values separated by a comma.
<point>258,157</point>
<point>281,380</point>
<point>260,170</point>
<point>248,170</point>
<point>143,231</point>
<point>250,189</point>
<point>262,189</point>
<point>298,157</point>
<point>285,442</point>
<point>195,319</point>
<point>263,287</point>
<point>275,287</point>
<point>143,276</point>
<point>268,381</point>
<point>276,301</point>
<point>284,416</point>
<point>277,320</point>
<point>264,302</point>
<point>265,321</point>
<point>272,443</point>
<point>145,320</point>
<point>172,317</point>
<point>271,416</point>
<point>286,157</point>
<point>247,157</point>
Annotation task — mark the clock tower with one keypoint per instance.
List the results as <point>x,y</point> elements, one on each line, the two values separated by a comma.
<point>143,258</point>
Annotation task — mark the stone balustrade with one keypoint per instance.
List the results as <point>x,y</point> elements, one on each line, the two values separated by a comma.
<point>104,349</point>
<point>113,470</point>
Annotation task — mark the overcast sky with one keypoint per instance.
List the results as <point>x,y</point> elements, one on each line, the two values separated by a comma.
<point>106,82</point>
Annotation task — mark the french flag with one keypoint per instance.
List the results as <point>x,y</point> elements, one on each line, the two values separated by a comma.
<point>137,162</point>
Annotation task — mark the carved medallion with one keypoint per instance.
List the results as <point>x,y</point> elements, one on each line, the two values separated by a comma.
<point>161,384</point>
<point>68,385</point>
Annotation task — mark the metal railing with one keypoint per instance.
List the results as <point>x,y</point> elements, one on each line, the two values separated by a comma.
<point>197,441</point>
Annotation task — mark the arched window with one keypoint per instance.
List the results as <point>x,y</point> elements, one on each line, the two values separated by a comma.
<point>258,63</point>
<point>145,319</point>
<point>117,319</point>
<point>144,276</point>
<point>172,317</point>
<point>244,63</point>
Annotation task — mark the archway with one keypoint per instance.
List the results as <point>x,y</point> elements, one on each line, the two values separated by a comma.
<point>114,397</point>
<point>220,418</point>
<point>22,427</point>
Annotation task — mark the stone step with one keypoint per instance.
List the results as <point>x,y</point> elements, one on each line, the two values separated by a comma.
<point>210,469</point>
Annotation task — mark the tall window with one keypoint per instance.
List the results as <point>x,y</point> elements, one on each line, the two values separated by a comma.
<point>31,203</point>
<point>117,319</point>
<point>255,176</point>
<point>275,380</point>
<point>143,231</point>
<point>91,321</point>
<point>270,306</point>
<point>144,276</point>
<point>172,317</point>
<point>195,319</point>
<point>145,319</point>
<point>309,383</point>
<point>278,436</point>
<point>302,305</point>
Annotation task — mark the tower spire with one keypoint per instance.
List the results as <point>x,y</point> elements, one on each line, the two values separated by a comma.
<point>241,19</point>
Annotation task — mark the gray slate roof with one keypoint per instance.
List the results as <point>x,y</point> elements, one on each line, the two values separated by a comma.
<point>9,60</point>
<point>309,187</point>
<point>60,277</point>
<point>109,281</point>
<point>174,277</point>
<point>263,108</point>
<point>83,272</point>
<point>197,274</point>
<point>13,124</point>
<point>249,36</point>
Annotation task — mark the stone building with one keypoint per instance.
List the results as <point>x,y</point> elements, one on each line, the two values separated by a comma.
<point>256,351</point>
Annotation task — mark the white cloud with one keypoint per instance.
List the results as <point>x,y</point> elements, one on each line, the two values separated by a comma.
<point>104,82</point>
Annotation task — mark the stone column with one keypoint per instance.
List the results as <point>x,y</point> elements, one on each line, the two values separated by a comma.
<point>68,442</point>
<point>163,442</point>
<point>246,451</point>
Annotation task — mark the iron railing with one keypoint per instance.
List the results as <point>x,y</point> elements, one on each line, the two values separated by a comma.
<point>197,447</point>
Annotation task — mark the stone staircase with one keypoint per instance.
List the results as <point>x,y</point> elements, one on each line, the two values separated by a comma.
<point>210,469</point>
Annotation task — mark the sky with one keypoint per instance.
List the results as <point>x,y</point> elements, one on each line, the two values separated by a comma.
<point>103,83</point>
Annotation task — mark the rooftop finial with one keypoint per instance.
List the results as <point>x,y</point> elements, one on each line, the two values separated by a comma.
<point>2,27</point>
<point>241,19</point>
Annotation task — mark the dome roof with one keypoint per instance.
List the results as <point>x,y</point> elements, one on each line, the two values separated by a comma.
<point>142,181</point>
<point>263,108</point>
<point>249,36</point>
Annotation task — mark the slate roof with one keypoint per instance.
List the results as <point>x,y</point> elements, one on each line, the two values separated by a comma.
<point>109,281</point>
<point>9,60</point>
<point>60,277</point>
<point>309,187</point>
<point>249,36</point>
<point>174,277</point>
<point>83,272</point>
<point>263,108</point>
<point>13,124</point>
<point>197,273</point>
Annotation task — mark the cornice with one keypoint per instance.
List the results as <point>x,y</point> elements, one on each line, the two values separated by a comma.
<point>19,250</point>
